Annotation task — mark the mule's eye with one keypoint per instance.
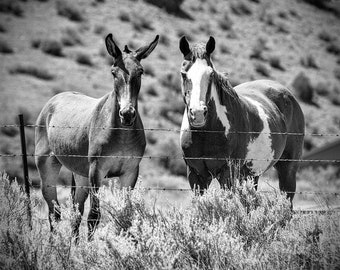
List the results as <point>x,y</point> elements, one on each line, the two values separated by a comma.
<point>184,75</point>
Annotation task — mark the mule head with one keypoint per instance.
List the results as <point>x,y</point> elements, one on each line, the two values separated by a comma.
<point>127,73</point>
<point>197,70</point>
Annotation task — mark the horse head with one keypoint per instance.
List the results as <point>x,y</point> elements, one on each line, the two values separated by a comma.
<point>197,71</point>
<point>127,73</point>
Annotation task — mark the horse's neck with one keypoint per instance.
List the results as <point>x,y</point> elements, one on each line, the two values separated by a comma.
<point>228,105</point>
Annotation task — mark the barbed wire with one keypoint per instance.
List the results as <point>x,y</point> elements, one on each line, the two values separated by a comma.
<point>175,157</point>
<point>177,130</point>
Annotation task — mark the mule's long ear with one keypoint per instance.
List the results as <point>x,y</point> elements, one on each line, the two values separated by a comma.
<point>112,47</point>
<point>184,46</point>
<point>145,51</point>
<point>210,47</point>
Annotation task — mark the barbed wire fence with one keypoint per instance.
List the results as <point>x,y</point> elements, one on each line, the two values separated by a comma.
<point>24,155</point>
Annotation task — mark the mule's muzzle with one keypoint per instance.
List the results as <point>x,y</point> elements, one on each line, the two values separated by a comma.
<point>198,116</point>
<point>127,116</point>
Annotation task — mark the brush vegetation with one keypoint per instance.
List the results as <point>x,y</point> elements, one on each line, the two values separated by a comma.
<point>243,229</point>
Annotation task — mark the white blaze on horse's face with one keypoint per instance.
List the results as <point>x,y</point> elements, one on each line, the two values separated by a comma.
<point>199,74</point>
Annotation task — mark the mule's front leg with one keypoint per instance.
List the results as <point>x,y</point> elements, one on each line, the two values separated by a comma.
<point>94,214</point>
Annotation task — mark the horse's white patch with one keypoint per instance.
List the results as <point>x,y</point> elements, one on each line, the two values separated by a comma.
<point>260,151</point>
<point>185,125</point>
<point>221,110</point>
<point>199,74</point>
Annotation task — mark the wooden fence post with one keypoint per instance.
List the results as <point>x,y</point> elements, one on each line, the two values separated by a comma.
<point>25,168</point>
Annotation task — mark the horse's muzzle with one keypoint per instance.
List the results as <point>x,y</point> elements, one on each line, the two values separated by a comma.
<point>198,117</point>
<point>127,116</point>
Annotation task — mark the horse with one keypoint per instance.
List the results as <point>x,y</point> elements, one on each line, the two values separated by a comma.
<point>82,134</point>
<point>246,129</point>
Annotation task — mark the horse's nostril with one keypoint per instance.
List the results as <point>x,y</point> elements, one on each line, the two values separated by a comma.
<point>205,110</point>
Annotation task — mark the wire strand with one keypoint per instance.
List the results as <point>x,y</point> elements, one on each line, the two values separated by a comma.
<point>178,130</point>
<point>176,157</point>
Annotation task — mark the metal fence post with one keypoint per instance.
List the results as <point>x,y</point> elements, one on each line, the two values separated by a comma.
<point>25,168</point>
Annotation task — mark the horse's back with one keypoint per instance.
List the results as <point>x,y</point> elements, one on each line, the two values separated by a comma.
<point>272,92</point>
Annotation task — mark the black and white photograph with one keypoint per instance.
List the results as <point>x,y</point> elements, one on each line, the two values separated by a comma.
<point>169,134</point>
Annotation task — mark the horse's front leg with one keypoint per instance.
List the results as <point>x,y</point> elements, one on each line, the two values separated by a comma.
<point>95,177</point>
<point>198,182</point>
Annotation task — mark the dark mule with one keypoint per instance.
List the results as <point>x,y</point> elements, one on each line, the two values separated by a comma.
<point>245,119</point>
<point>91,129</point>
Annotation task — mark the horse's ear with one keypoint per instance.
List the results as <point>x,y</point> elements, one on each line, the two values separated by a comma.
<point>112,47</point>
<point>145,51</point>
<point>184,46</point>
<point>210,47</point>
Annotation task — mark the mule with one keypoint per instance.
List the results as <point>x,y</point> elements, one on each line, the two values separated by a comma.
<point>81,133</point>
<point>241,129</point>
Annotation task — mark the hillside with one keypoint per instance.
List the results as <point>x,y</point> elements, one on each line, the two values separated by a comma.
<point>47,47</point>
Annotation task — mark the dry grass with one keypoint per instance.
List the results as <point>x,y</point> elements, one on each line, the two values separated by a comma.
<point>32,70</point>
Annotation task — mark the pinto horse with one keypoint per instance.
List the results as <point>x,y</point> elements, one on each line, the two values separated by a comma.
<point>248,123</point>
<point>81,133</point>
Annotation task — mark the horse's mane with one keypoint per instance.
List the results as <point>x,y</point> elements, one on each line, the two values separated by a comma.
<point>223,86</point>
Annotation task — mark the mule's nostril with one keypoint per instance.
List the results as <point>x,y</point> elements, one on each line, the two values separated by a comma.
<point>120,113</point>
<point>205,110</point>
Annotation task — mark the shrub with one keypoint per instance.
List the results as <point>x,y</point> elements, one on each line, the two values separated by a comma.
<point>224,49</point>
<point>172,158</point>
<point>171,6</point>
<point>69,10</point>
<point>71,37</point>
<point>262,69</point>
<point>124,16</point>
<point>337,73</point>
<point>308,61</point>
<point>172,81</point>
<point>149,70</point>
<point>12,7</point>
<point>2,29</point>
<point>141,23</point>
<point>275,62</point>
<point>333,48</point>
<point>335,96</point>
<point>240,8</point>
<point>164,39</point>
<point>325,36</point>
<point>225,22</point>
<point>282,28</point>
<point>322,4</point>
<point>5,47</point>
<point>34,71</point>
<point>322,89</point>
<point>151,90</point>
<point>84,59</point>
<point>304,88</point>
<point>99,29</point>
<point>259,48</point>
<point>52,47</point>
